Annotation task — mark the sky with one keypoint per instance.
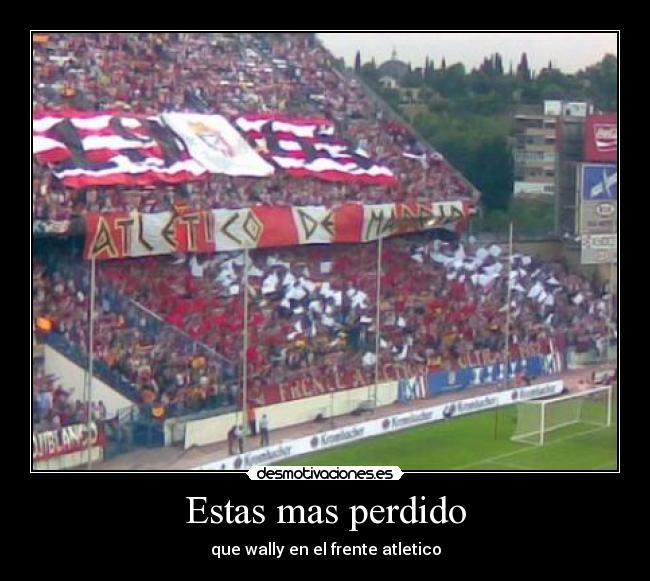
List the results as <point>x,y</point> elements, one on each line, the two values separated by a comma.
<point>568,51</point>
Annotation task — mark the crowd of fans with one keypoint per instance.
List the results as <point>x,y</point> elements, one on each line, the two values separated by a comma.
<point>178,338</point>
<point>133,350</point>
<point>170,329</point>
<point>227,74</point>
<point>54,407</point>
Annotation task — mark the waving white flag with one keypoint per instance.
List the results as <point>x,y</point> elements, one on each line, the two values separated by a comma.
<point>217,145</point>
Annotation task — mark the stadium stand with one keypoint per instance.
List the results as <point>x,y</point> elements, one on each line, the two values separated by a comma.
<point>169,328</point>
<point>312,310</point>
<point>53,406</point>
<point>229,75</point>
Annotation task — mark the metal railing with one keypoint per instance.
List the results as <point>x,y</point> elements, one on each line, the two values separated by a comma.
<point>154,326</point>
<point>158,324</point>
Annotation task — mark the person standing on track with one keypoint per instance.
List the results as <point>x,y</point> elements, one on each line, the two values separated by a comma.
<point>239,437</point>
<point>252,420</point>
<point>264,431</point>
<point>231,440</point>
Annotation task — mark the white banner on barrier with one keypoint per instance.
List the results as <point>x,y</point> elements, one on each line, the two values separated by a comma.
<point>379,426</point>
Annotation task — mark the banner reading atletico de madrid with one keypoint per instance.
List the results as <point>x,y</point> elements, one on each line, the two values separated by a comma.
<point>123,234</point>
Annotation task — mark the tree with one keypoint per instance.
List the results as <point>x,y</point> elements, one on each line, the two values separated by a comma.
<point>498,64</point>
<point>357,63</point>
<point>477,145</point>
<point>468,116</point>
<point>491,171</point>
<point>486,66</point>
<point>523,72</point>
<point>601,82</point>
<point>453,82</point>
<point>413,78</point>
<point>554,84</point>
<point>429,73</point>
<point>369,71</point>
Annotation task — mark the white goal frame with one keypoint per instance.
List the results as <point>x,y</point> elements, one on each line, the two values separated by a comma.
<point>544,403</point>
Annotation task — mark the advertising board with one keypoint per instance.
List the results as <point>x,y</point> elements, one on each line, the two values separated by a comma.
<point>355,432</point>
<point>601,138</point>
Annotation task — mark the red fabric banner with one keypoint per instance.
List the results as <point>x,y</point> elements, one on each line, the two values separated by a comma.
<point>103,148</point>
<point>66,440</point>
<point>309,148</point>
<point>312,382</point>
<point>123,235</point>
<point>107,235</point>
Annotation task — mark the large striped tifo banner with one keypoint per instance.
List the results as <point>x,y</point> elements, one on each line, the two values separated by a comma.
<point>123,234</point>
<point>104,148</point>
<point>309,148</point>
<point>112,149</point>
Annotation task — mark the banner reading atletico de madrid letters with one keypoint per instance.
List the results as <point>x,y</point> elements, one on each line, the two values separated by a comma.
<point>123,234</point>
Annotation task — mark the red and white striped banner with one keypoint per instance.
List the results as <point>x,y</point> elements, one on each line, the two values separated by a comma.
<point>123,234</point>
<point>108,148</point>
<point>309,148</point>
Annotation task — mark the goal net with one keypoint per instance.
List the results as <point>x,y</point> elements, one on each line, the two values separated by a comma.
<point>538,420</point>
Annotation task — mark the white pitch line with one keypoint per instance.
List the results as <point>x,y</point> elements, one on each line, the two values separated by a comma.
<point>507,465</point>
<point>603,466</point>
<point>503,465</point>
<point>509,454</point>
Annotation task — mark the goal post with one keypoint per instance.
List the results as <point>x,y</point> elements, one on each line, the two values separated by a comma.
<point>538,419</point>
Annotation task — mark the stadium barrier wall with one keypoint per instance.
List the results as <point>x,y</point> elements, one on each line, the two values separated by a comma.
<point>72,460</point>
<point>67,447</point>
<point>376,427</point>
<point>281,415</point>
<point>73,377</point>
<point>37,351</point>
<point>591,357</point>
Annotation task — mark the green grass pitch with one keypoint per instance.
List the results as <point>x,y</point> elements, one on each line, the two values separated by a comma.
<point>468,443</point>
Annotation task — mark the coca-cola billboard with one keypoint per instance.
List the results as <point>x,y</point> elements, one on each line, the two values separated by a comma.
<point>601,137</point>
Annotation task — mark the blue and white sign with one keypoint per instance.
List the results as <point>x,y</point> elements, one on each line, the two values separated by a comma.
<point>599,182</point>
<point>441,381</point>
